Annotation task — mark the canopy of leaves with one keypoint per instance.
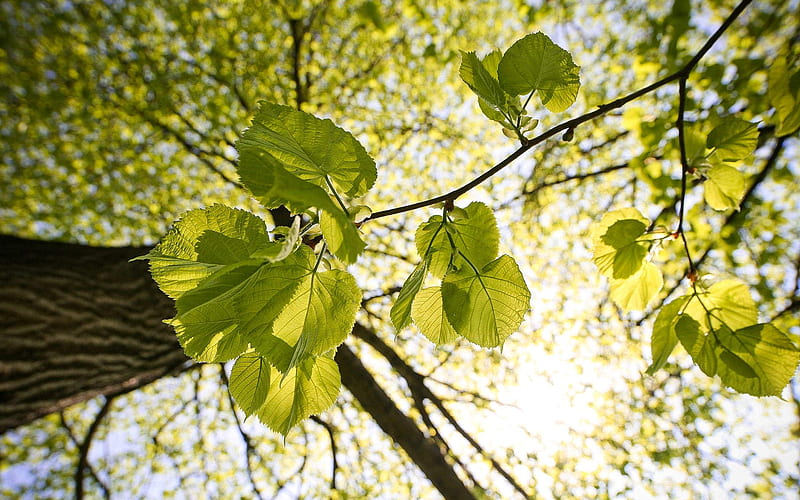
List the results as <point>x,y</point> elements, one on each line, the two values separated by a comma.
<point>119,117</point>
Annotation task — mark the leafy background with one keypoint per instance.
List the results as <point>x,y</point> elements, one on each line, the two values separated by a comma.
<point>564,406</point>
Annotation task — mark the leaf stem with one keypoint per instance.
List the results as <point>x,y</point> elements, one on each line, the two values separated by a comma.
<point>336,195</point>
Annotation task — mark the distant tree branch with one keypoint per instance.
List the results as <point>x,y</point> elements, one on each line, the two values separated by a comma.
<point>249,449</point>
<point>83,449</point>
<point>332,435</point>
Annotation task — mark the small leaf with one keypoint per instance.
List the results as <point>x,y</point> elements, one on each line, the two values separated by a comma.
<point>724,187</point>
<point>535,63</point>
<point>617,253</point>
<point>664,339</point>
<point>401,310</point>
<point>486,86</point>
<point>635,292</point>
<point>307,389</point>
<point>306,147</point>
<point>486,306</point>
<point>428,313</point>
<point>733,139</point>
<point>342,236</point>
<point>474,233</point>
<point>250,381</point>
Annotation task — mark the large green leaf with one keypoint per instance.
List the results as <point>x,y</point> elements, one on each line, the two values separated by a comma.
<point>401,310</point>
<point>307,389</point>
<point>727,302</point>
<point>202,242</point>
<point>664,339</point>
<point>733,139</point>
<point>428,313</point>
<point>636,291</point>
<point>724,187</point>
<point>758,359</point>
<point>617,252</point>
<point>250,381</point>
<point>268,293</point>
<point>486,306</point>
<point>317,319</point>
<point>207,319</point>
<point>535,63</point>
<point>309,148</point>
<point>473,230</point>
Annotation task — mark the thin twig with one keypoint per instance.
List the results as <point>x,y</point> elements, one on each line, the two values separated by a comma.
<point>83,449</point>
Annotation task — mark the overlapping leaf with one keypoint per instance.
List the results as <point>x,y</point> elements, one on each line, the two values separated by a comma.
<point>617,250</point>
<point>536,64</point>
<point>401,310</point>
<point>429,316</point>
<point>250,381</point>
<point>307,147</point>
<point>473,230</point>
<point>486,305</point>
<point>307,389</point>
<point>201,243</point>
<point>635,292</point>
<point>784,95</point>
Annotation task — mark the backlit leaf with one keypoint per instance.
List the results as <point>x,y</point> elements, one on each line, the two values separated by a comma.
<point>617,253</point>
<point>535,63</point>
<point>724,187</point>
<point>428,314</point>
<point>486,306</point>
<point>307,389</point>
<point>250,381</point>
<point>636,291</point>
<point>308,148</point>
<point>733,139</point>
<point>401,310</point>
<point>664,339</point>
<point>784,96</point>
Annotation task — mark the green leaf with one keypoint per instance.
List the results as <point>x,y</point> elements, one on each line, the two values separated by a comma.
<point>344,240</point>
<point>664,339</point>
<point>758,359</point>
<point>317,319</point>
<point>729,303</point>
<point>401,310</point>
<point>308,148</point>
<point>307,389</point>
<point>476,76</point>
<point>200,243</point>
<point>207,320</point>
<point>535,63</point>
<point>268,293</point>
<point>473,231</point>
<point>733,139</point>
<point>617,253</point>
<point>636,291</point>
<point>250,381</point>
<point>428,313</point>
<point>783,96</point>
<point>281,249</point>
<point>488,305</point>
<point>724,187</point>
<point>273,186</point>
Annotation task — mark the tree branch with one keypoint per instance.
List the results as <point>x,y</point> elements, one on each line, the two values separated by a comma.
<point>83,449</point>
<point>569,124</point>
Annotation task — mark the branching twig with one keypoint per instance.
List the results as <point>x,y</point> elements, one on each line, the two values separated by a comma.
<point>571,124</point>
<point>331,434</point>
<point>83,449</point>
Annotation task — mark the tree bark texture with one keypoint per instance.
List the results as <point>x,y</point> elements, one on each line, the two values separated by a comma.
<point>78,321</point>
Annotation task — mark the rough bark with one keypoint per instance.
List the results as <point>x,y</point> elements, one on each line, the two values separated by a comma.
<point>79,321</point>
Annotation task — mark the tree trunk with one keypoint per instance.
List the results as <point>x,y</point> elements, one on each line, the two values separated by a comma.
<point>79,321</point>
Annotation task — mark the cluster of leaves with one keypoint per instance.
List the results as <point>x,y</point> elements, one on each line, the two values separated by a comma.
<point>717,324</point>
<point>532,64</point>
<point>280,303</point>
